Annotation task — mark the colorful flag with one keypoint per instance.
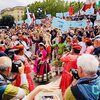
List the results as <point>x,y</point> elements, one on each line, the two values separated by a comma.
<point>90,11</point>
<point>33,18</point>
<point>71,10</point>
<point>88,4</point>
<point>97,4</point>
<point>29,19</point>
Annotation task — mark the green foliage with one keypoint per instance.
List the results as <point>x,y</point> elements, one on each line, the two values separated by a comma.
<point>7,20</point>
<point>53,6</point>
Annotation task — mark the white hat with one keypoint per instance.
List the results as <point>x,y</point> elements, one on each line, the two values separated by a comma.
<point>97,38</point>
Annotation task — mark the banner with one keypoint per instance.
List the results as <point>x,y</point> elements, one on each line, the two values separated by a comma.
<point>48,15</point>
<point>38,21</point>
<point>66,14</point>
<point>60,15</point>
<point>98,16</point>
<point>60,24</point>
<point>64,25</point>
<point>19,22</point>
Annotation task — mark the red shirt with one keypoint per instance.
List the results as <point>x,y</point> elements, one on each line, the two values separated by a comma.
<point>2,49</point>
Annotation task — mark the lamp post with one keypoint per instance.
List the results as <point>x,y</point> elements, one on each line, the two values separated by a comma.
<point>39,11</point>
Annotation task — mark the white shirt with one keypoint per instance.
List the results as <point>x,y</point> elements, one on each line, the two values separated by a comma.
<point>83,47</point>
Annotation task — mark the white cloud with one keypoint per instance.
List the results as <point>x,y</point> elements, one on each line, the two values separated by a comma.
<point>13,3</point>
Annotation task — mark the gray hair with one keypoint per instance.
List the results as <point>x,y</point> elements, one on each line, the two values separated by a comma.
<point>88,63</point>
<point>5,62</point>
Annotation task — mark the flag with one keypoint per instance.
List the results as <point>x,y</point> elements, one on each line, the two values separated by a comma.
<point>97,4</point>
<point>33,18</point>
<point>88,4</point>
<point>71,10</point>
<point>90,11</point>
<point>29,20</point>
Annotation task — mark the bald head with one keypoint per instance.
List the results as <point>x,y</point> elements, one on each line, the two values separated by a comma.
<point>5,62</point>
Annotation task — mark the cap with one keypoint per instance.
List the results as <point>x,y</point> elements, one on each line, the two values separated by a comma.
<point>19,46</point>
<point>41,44</point>
<point>87,40</point>
<point>76,46</point>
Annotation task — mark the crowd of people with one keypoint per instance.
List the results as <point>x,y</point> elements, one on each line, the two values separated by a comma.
<point>74,54</point>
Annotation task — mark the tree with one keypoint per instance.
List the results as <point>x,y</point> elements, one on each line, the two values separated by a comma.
<point>53,6</point>
<point>7,20</point>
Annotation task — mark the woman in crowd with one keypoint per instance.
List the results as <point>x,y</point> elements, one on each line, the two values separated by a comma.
<point>89,46</point>
<point>60,48</point>
<point>69,60</point>
<point>68,42</point>
<point>47,39</point>
<point>41,65</point>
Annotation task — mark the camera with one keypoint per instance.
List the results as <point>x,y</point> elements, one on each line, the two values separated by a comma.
<point>11,53</point>
<point>47,98</point>
<point>75,73</point>
<point>15,66</point>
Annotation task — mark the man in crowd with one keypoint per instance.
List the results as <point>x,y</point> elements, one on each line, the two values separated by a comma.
<point>9,91</point>
<point>97,45</point>
<point>97,50</point>
<point>88,86</point>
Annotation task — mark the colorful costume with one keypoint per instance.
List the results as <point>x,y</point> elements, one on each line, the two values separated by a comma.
<point>42,66</point>
<point>70,62</point>
<point>89,48</point>
<point>59,49</point>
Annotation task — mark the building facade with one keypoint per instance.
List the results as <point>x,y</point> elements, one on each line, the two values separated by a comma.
<point>16,12</point>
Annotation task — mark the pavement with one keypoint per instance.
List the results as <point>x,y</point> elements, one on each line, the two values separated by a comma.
<point>55,78</point>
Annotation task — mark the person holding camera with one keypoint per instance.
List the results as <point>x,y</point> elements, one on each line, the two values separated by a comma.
<point>11,92</point>
<point>87,87</point>
<point>7,90</point>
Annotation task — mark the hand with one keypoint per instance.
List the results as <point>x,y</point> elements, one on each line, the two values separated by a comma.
<point>31,62</point>
<point>74,82</point>
<point>21,69</point>
<point>35,56</point>
<point>49,87</point>
<point>66,53</point>
<point>56,98</point>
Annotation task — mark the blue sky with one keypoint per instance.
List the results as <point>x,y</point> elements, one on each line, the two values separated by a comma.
<point>13,3</point>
